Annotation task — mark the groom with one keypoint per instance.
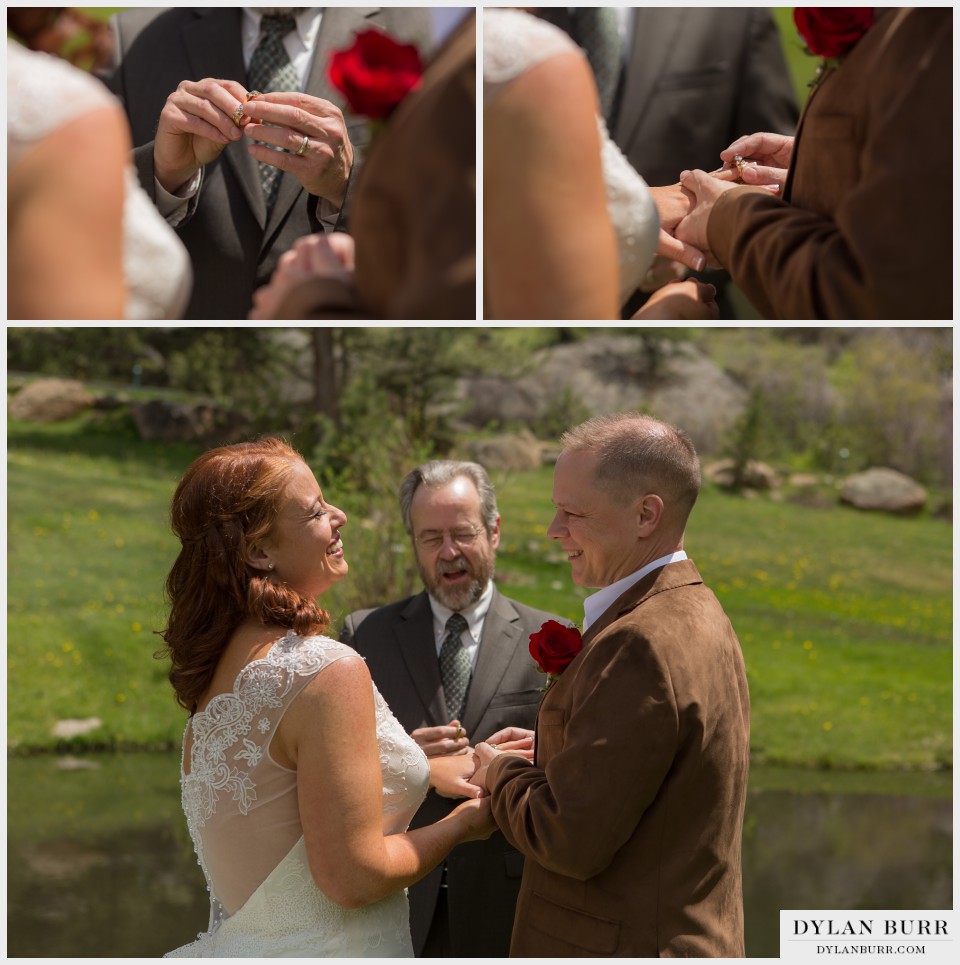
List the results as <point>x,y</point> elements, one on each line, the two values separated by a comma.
<point>631,815</point>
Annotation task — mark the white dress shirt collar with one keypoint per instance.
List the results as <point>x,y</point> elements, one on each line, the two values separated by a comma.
<point>300,43</point>
<point>594,606</point>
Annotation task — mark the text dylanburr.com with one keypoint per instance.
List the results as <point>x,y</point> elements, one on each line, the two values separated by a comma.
<point>927,935</point>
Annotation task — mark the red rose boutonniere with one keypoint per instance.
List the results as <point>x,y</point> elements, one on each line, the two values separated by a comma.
<point>553,647</point>
<point>375,74</point>
<point>831,32</point>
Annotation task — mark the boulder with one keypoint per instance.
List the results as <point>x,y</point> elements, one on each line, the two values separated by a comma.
<point>519,452</point>
<point>756,474</point>
<point>884,489</point>
<point>160,421</point>
<point>50,400</point>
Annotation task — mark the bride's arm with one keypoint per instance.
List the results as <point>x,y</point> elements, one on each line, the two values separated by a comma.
<point>549,247</point>
<point>329,733</point>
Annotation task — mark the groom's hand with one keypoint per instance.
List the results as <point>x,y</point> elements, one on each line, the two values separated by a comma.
<point>439,741</point>
<point>516,739</point>
<point>766,158</point>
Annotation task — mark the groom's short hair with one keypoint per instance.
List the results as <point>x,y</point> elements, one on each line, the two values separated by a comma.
<point>637,454</point>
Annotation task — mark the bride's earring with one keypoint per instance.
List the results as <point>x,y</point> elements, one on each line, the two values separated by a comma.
<point>269,566</point>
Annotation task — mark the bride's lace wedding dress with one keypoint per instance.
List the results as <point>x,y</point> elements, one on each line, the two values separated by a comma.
<point>514,42</point>
<point>241,808</point>
<point>43,93</point>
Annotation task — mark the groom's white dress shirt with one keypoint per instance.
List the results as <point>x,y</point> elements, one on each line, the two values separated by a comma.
<point>594,606</point>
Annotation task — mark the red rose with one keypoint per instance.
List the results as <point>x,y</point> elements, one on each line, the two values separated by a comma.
<point>553,646</point>
<point>375,74</point>
<point>831,31</point>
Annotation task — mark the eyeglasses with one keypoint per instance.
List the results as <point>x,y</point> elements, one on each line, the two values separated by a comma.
<point>462,537</point>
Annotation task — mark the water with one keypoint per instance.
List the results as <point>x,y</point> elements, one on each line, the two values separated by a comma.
<point>100,863</point>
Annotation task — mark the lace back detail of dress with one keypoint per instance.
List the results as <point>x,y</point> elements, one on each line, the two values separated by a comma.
<point>235,792</point>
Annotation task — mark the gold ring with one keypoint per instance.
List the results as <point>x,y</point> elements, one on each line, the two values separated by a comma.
<point>237,115</point>
<point>738,160</point>
<point>459,733</point>
<point>300,152</point>
<point>253,94</point>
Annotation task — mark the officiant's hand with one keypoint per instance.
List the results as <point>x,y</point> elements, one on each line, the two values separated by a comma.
<point>195,125</point>
<point>674,203</point>
<point>312,130</point>
<point>439,741</point>
<point>450,775</point>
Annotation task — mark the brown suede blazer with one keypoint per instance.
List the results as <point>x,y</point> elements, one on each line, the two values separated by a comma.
<point>864,230</point>
<point>631,816</point>
<point>413,212</point>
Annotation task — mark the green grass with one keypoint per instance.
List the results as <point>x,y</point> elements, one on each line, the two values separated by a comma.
<point>845,618</point>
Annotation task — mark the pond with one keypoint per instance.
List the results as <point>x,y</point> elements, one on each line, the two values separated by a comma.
<point>99,862</point>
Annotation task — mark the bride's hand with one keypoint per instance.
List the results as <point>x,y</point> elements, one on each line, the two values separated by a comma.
<point>477,818</point>
<point>690,299</point>
<point>674,202</point>
<point>312,256</point>
<point>450,775</point>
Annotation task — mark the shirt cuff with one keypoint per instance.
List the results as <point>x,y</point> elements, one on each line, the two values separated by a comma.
<point>174,207</point>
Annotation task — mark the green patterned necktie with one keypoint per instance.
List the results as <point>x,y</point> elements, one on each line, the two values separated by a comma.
<point>271,70</point>
<point>455,667</point>
<point>596,30</point>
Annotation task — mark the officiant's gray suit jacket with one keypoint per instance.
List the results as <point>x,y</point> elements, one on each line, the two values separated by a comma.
<point>695,79</point>
<point>233,241</point>
<point>399,645</point>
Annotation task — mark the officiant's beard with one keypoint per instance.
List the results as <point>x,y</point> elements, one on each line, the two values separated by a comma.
<point>458,598</point>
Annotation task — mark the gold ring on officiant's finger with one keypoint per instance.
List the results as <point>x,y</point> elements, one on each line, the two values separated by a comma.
<point>300,152</point>
<point>738,160</point>
<point>459,733</point>
<point>253,95</point>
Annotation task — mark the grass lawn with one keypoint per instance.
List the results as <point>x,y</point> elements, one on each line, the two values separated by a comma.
<point>845,618</point>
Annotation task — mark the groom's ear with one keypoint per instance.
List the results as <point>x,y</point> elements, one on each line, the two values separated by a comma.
<point>649,511</point>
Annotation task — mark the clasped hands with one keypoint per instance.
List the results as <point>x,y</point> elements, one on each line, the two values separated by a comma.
<point>197,123</point>
<point>685,207</point>
<point>458,770</point>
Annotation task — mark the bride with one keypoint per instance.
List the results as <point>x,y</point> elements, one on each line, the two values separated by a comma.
<point>298,783</point>
<point>570,228</point>
<point>83,238</point>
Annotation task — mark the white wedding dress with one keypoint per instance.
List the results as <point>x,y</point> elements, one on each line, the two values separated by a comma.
<point>514,42</point>
<point>241,808</point>
<point>44,93</point>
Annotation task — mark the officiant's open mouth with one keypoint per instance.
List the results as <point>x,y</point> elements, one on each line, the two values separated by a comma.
<point>454,577</point>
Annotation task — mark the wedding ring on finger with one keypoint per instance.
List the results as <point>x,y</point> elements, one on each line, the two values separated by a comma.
<point>238,113</point>
<point>300,152</point>
<point>738,160</point>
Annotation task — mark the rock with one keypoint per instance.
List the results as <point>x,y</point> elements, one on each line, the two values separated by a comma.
<point>50,400</point>
<point>75,727</point>
<point>884,489</point>
<point>611,373</point>
<point>160,421</point>
<point>520,451</point>
<point>756,475</point>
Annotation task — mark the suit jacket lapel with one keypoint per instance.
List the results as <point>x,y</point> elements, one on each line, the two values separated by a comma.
<point>214,49</point>
<point>415,638</point>
<point>651,47</point>
<point>501,633</point>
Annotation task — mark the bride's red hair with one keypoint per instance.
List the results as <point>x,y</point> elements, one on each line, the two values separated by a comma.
<point>227,500</point>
